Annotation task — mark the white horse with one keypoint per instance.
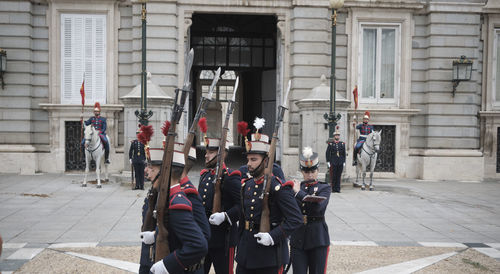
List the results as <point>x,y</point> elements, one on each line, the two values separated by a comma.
<point>367,157</point>
<point>94,149</point>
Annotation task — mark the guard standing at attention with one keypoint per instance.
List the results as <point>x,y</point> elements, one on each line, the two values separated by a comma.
<point>311,242</point>
<point>137,157</point>
<point>335,158</point>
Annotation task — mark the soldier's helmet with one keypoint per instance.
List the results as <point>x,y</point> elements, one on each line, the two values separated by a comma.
<point>308,159</point>
<point>192,150</point>
<point>337,132</point>
<point>97,107</point>
<point>211,139</point>
<point>367,115</point>
<point>156,157</point>
<point>258,143</point>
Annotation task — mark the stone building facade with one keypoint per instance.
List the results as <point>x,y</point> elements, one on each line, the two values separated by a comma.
<point>398,52</point>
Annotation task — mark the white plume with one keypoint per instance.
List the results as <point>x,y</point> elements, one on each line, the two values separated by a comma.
<point>258,123</point>
<point>307,152</point>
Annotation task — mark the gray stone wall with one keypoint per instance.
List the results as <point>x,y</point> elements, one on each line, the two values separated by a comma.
<point>24,35</point>
<point>445,122</point>
<point>125,61</point>
<point>311,56</point>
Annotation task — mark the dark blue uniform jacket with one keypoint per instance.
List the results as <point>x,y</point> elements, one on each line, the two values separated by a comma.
<point>198,208</point>
<point>136,152</point>
<point>277,171</point>
<point>224,235</point>
<point>335,153</point>
<point>186,241</point>
<point>285,218</point>
<point>315,232</point>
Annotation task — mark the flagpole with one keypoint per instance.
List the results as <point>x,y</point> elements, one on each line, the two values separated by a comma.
<point>82,94</point>
<point>355,95</point>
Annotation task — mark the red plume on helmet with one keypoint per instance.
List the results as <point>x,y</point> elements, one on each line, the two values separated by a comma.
<point>243,128</point>
<point>97,106</point>
<point>165,128</point>
<point>367,115</point>
<point>145,135</point>
<point>202,123</point>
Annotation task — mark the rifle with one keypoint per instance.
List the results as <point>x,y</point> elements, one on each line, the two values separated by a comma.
<point>265,222</point>
<point>221,155</point>
<point>162,245</point>
<point>199,113</point>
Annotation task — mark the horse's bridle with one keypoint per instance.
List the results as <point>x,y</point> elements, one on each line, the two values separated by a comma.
<point>87,148</point>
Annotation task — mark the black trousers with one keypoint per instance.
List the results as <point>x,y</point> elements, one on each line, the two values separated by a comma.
<point>313,259</point>
<point>139,174</point>
<point>223,262</point>
<point>335,176</point>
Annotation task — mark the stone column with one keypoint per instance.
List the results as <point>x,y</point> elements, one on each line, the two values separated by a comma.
<point>158,102</point>
<point>313,128</point>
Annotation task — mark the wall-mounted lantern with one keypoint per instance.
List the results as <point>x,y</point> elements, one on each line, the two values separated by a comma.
<point>462,71</point>
<point>3,64</point>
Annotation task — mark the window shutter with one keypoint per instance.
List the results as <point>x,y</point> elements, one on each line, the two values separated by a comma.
<point>83,46</point>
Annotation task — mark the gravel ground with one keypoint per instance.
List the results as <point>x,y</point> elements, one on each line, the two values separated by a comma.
<point>352,259</point>
<point>342,259</point>
<point>469,261</point>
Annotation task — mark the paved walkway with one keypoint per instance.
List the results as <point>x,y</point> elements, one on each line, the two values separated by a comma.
<point>42,210</point>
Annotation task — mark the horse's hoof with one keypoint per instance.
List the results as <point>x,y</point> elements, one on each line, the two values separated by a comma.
<point>99,186</point>
<point>371,188</point>
<point>84,185</point>
<point>363,188</point>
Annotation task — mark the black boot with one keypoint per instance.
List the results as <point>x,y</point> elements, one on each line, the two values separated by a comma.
<point>355,158</point>
<point>106,156</point>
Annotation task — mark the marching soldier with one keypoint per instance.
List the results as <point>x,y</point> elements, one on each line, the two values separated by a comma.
<point>186,241</point>
<point>364,130</point>
<point>137,157</point>
<point>335,157</point>
<point>100,124</point>
<point>310,243</point>
<point>264,252</point>
<point>224,230</point>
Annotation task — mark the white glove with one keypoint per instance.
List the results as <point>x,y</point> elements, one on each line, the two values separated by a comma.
<point>148,237</point>
<point>130,160</point>
<point>344,164</point>
<point>217,218</point>
<point>159,268</point>
<point>264,238</point>
<point>328,164</point>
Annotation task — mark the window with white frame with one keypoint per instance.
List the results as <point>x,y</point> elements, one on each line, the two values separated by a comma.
<point>83,52</point>
<point>379,54</point>
<point>496,67</point>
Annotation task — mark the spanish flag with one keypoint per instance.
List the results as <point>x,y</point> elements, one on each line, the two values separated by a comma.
<point>355,96</point>
<point>82,90</point>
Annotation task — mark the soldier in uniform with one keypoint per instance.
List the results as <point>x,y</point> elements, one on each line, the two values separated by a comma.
<point>335,157</point>
<point>310,243</point>
<point>224,230</point>
<point>277,171</point>
<point>264,252</point>
<point>364,130</point>
<point>137,157</point>
<point>100,124</point>
<point>186,241</point>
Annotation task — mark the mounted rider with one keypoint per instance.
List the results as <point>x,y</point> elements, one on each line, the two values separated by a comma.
<point>364,130</point>
<point>99,124</point>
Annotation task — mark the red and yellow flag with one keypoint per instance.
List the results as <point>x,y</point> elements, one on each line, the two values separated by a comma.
<point>355,95</point>
<point>82,91</point>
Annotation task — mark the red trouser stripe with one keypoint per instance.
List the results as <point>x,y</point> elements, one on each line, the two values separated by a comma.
<point>231,260</point>
<point>326,260</point>
<point>280,270</point>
